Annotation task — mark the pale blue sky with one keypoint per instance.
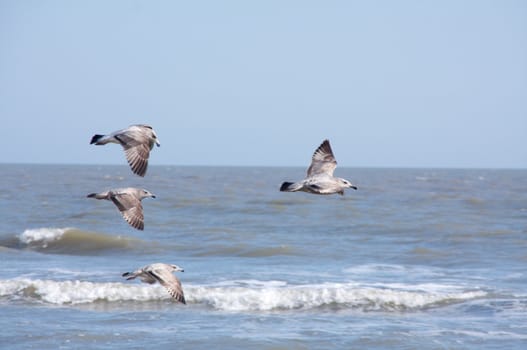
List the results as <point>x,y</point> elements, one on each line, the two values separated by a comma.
<point>390,83</point>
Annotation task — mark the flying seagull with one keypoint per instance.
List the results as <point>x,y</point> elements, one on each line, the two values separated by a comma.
<point>137,141</point>
<point>161,273</point>
<point>320,179</point>
<point>128,201</point>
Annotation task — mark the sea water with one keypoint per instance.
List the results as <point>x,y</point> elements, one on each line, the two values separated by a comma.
<point>414,259</point>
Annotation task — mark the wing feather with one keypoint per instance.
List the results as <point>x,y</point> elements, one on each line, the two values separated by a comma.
<point>137,156</point>
<point>137,142</point>
<point>130,208</point>
<point>171,283</point>
<point>323,160</point>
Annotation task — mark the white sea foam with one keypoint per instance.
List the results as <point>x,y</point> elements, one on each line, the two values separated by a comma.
<point>78,292</point>
<point>254,297</point>
<point>329,294</point>
<point>42,236</point>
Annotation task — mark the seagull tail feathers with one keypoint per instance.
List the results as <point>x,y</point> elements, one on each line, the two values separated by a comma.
<point>96,139</point>
<point>130,275</point>
<point>98,195</point>
<point>289,187</point>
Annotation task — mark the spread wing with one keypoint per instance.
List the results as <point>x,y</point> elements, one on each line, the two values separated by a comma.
<point>170,282</point>
<point>137,143</point>
<point>131,209</point>
<point>137,157</point>
<point>323,161</point>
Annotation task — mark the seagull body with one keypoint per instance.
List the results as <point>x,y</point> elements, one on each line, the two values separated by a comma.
<point>137,141</point>
<point>320,179</point>
<point>161,273</point>
<point>128,201</point>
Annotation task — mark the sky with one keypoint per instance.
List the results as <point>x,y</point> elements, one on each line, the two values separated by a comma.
<point>263,83</point>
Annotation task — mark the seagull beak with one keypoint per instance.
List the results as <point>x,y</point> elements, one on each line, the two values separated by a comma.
<point>354,187</point>
<point>158,143</point>
<point>153,196</point>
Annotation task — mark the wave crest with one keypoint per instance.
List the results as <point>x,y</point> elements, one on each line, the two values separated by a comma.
<point>70,240</point>
<point>334,296</point>
<point>247,298</point>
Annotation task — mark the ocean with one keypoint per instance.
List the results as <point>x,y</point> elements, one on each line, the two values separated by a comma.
<point>414,259</point>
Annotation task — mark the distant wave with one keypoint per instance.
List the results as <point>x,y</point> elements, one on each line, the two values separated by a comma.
<point>69,240</point>
<point>245,251</point>
<point>249,296</point>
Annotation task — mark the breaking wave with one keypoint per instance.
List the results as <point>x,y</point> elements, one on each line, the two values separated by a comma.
<point>69,240</point>
<point>237,297</point>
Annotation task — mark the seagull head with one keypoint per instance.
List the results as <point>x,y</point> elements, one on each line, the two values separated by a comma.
<point>347,184</point>
<point>177,268</point>
<point>146,193</point>
<point>154,136</point>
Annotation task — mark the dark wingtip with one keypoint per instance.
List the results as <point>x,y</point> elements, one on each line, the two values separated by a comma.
<point>325,146</point>
<point>91,195</point>
<point>138,169</point>
<point>96,138</point>
<point>126,274</point>
<point>285,186</point>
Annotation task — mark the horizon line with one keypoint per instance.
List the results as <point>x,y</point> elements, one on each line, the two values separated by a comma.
<point>272,166</point>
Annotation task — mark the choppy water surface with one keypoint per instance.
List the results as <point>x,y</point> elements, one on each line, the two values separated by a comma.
<point>415,259</point>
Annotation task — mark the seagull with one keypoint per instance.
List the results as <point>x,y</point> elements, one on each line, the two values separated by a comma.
<point>320,179</point>
<point>137,141</point>
<point>128,201</point>
<point>161,273</point>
